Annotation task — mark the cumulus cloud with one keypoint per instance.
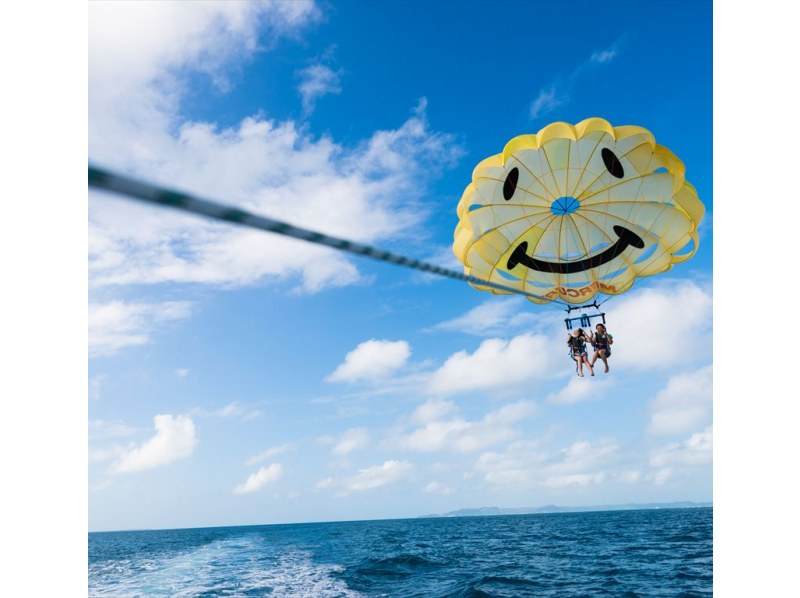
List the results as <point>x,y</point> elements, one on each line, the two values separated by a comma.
<point>174,439</point>
<point>317,80</point>
<point>696,450</point>
<point>526,464</point>
<point>432,411</point>
<point>666,325</point>
<point>371,360</point>
<point>676,459</point>
<point>579,390</point>
<point>683,405</point>
<point>496,364</point>
<point>141,58</point>
<point>116,325</point>
<point>139,75</point>
<point>259,479</point>
<point>436,426</point>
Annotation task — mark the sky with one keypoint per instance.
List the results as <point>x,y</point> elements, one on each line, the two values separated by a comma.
<point>253,401</point>
<point>237,378</point>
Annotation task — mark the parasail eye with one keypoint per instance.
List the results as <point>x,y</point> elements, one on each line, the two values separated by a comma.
<point>612,163</point>
<point>511,183</point>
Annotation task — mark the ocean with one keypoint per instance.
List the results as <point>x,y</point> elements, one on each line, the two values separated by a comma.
<point>625,554</point>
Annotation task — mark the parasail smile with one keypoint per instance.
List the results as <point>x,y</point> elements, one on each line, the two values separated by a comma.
<point>626,238</point>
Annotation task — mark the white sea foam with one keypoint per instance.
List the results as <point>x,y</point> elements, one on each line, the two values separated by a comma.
<point>296,575</point>
<point>232,567</point>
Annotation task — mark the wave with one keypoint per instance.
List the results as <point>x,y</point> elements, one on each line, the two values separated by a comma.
<point>231,567</point>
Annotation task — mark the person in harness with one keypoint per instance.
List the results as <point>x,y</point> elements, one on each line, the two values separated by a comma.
<point>577,348</point>
<point>602,342</point>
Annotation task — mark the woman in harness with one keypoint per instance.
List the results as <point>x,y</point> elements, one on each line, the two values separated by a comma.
<point>602,342</point>
<point>577,348</point>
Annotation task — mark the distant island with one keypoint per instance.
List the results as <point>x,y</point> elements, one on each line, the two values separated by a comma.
<point>489,511</point>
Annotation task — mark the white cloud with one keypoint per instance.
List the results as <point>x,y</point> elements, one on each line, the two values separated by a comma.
<point>579,390</point>
<point>602,56</point>
<point>271,452</point>
<point>369,478</point>
<point>441,429</point>
<point>683,405</point>
<point>282,174</point>
<point>546,101</point>
<point>259,479</point>
<point>372,360</point>
<point>524,465</point>
<point>559,92</point>
<point>378,475</point>
<point>317,80</point>
<point>496,364</point>
<point>432,411</point>
<point>174,439</point>
<point>136,49</point>
<point>352,440</point>
<point>492,317</point>
<point>140,57</point>
<point>696,450</point>
<point>182,372</point>
<point>115,325</point>
<point>660,327</point>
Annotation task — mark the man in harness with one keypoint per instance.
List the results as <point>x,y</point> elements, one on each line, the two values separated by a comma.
<point>602,342</point>
<point>577,348</point>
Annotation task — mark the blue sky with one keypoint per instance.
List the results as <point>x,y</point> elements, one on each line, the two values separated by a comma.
<point>239,378</point>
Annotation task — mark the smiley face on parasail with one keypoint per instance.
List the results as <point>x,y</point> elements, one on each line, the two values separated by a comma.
<point>573,211</point>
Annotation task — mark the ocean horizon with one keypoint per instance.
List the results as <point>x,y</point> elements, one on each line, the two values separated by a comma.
<point>464,512</point>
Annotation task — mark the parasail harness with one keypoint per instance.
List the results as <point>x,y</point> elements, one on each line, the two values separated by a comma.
<point>584,321</point>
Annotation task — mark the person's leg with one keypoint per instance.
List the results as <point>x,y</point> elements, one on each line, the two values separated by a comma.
<point>604,358</point>
<point>591,369</point>
<point>579,360</point>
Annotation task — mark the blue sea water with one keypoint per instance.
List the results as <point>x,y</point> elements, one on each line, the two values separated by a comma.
<point>626,554</point>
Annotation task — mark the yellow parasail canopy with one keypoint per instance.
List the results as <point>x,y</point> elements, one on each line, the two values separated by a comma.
<point>573,211</point>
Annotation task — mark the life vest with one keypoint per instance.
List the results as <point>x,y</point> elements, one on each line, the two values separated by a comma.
<point>577,344</point>
<point>601,342</point>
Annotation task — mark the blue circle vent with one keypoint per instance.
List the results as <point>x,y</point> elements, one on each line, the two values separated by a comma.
<point>564,205</point>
